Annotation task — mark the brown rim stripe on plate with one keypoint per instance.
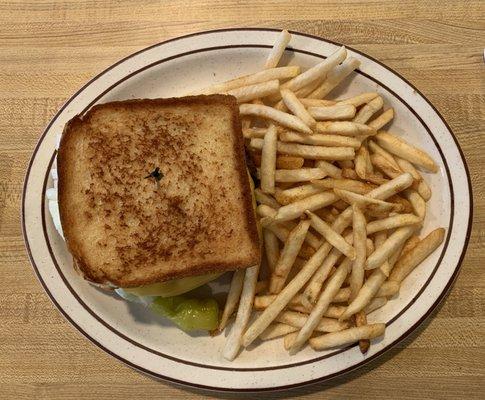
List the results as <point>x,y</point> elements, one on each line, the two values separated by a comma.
<point>431,309</point>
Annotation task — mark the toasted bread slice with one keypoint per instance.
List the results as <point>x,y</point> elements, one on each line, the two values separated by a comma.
<point>128,228</point>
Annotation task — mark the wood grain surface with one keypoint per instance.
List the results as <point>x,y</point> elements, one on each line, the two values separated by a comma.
<point>48,49</point>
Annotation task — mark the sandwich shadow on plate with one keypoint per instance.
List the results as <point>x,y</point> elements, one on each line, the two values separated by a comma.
<point>143,315</point>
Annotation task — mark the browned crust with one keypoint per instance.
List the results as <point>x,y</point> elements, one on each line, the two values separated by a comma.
<point>63,156</point>
<point>199,269</point>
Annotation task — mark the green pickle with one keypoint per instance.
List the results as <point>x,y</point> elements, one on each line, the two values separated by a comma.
<point>188,313</point>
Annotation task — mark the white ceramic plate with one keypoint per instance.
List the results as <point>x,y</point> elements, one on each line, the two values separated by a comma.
<point>149,344</point>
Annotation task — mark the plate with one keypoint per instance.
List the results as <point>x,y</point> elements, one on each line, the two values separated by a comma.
<point>146,342</point>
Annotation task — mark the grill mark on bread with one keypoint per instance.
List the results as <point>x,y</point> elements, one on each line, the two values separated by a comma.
<point>143,211</point>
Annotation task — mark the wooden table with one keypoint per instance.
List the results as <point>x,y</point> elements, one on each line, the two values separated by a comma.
<point>48,49</point>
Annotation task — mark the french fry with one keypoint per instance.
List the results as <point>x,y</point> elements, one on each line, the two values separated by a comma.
<point>262,302</point>
<point>316,102</point>
<point>401,148</point>
<point>293,272</point>
<point>306,90</point>
<point>382,120</point>
<point>300,93</point>
<point>415,256</point>
<point>424,190</point>
<point>232,297</point>
<point>336,112</point>
<point>292,288</point>
<point>233,342</point>
<point>331,236</point>
<point>280,105</point>
<point>368,164</point>
<point>346,128</point>
<point>265,211</point>
<point>316,72</point>
<point>375,148</point>
<point>309,152</point>
<point>268,160</point>
<point>313,288</point>
<point>361,320</point>
<point>277,330</point>
<point>342,295</point>
<point>418,203</point>
<point>288,256</point>
<point>271,247</point>
<point>360,246</point>
<point>375,178</point>
<point>310,203</point>
<point>330,169</point>
<point>334,311</point>
<point>261,286</point>
<point>376,303</point>
<point>295,106</point>
<point>406,166</point>
<point>387,289</point>
<point>360,163</point>
<point>364,201</point>
<point>359,100</point>
<point>393,259</point>
<point>349,173</point>
<point>326,214</point>
<point>410,244</point>
<point>405,205</point>
<point>312,240</point>
<point>392,187</point>
<point>385,166</point>
<point>379,239</point>
<point>299,175</point>
<point>334,284</point>
<point>382,253</point>
<point>282,230</point>
<point>245,94</point>
<point>366,293</point>
<point>278,49</point>
<point>383,191</point>
<point>266,199</point>
<point>320,139</point>
<point>392,222</point>
<point>366,112</point>
<point>289,340</point>
<point>289,162</point>
<point>245,123</point>
<point>258,77</point>
<point>334,77</point>
<point>288,196</point>
<point>251,133</point>
<point>370,246</point>
<point>340,205</point>
<point>347,336</point>
<point>345,164</point>
<point>349,185</point>
<point>282,161</point>
<point>282,118</point>
<point>298,320</point>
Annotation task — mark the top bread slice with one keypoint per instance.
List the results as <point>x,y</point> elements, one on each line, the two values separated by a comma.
<point>126,227</point>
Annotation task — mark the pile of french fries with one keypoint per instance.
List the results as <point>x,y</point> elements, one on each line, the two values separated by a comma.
<point>340,202</point>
